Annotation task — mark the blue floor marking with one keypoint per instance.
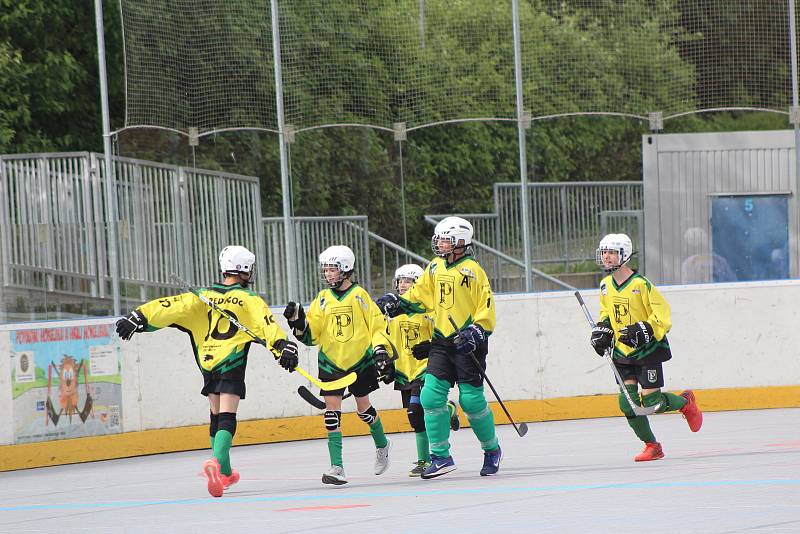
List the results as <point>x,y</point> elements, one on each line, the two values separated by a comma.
<point>416,493</point>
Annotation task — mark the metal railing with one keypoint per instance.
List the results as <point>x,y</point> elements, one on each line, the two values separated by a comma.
<point>565,217</point>
<point>54,232</point>
<point>312,236</point>
<point>506,273</point>
<point>170,219</point>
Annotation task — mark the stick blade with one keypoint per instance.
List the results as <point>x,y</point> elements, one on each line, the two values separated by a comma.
<point>522,429</point>
<point>310,398</point>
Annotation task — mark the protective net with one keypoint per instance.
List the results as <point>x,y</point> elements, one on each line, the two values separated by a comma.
<point>209,65</point>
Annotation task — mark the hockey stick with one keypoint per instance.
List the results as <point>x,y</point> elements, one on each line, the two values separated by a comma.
<point>318,403</point>
<point>522,429</point>
<point>313,400</point>
<point>334,384</point>
<point>638,410</point>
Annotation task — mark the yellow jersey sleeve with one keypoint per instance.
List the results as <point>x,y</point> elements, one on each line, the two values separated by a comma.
<point>659,311</point>
<point>216,342</point>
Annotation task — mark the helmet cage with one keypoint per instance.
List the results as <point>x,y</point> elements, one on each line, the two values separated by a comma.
<point>335,283</point>
<point>619,243</point>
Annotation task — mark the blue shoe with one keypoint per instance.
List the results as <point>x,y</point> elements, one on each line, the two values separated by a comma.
<point>439,466</point>
<point>491,462</point>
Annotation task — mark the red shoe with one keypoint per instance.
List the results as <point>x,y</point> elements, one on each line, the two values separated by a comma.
<point>652,451</point>
<point>691,412</point>
<point>229,480</point>
<point>211,471</point>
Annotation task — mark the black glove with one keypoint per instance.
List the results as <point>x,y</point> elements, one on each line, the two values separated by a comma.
<point>382,301</point>
<point>295,316</point>
<point>637,334</point>
<point>288,359</point>
<point>383,364</point>
<point>130,324</point>
<point>602,337</point>
<point>421,350</point>
<point>389,304</point>
<point>470,338</point>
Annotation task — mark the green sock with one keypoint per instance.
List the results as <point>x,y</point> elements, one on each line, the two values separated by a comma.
<point>222,448</point>
<point>480,416</point>
<point>437,417</point>
<point>639,423</point>
<point>376,429</point>
<point>674,402</point>
<point>668,402</point>
<point>641,427</point>
<point>335,448</point>
<point>423,447</point>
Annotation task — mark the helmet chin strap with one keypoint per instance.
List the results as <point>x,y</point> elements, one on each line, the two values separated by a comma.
<point>614,269</point>
<point>344,277</point>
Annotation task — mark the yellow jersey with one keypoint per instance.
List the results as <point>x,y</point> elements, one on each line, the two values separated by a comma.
<point>345,326</point>
<point>404,332</point>
<point>217,344</point>
<point>633,301</point>
<point>460,289</point>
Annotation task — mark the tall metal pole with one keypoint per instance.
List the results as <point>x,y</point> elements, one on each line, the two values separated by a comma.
<point>794,117</point>
<point>522,123</point>
<point>111,190</point>
<point>286,189</point>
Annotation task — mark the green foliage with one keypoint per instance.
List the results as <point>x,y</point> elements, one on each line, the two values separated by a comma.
<point>48,75</point>
<point>346,60</point>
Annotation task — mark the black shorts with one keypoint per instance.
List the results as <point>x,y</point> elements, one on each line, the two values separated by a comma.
<point>417,382</point>
<point>231,381</point>
<point>446,364</point>
<point>411,390</point>
<point>649,375</point>
<point>366,382</point>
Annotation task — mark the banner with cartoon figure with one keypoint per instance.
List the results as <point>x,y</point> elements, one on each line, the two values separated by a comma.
<point>66,382</point>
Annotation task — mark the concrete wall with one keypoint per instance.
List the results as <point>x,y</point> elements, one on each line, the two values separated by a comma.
<point>724,336</point>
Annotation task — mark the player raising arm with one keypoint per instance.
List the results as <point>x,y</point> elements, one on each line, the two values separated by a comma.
<point>219,347</point>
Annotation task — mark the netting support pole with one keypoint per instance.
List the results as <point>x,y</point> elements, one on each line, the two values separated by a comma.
<point>111,190</point>
<point>523,122</point>
<point>286,189</point>
<point>794,117</point>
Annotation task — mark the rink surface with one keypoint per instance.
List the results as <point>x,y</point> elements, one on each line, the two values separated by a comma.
<point>740,473</point>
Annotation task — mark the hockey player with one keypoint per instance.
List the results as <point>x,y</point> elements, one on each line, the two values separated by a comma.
<point>454,285</point>
<point>349,330</point>
<point>411,335</point>
<point>219,347</point>
<point>634,321</point>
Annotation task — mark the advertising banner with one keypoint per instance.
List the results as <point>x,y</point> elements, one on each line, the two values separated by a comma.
<point>66,382</point>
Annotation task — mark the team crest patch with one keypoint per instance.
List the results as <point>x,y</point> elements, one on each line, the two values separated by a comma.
<point>652,375</point>
<point>467,272</point>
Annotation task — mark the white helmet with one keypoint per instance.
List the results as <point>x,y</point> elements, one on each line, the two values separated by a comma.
<point>340,257</point>
<point>619,243</point>
<point>410,270</point>
<point>235,259</point>
<point>452,230</point>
